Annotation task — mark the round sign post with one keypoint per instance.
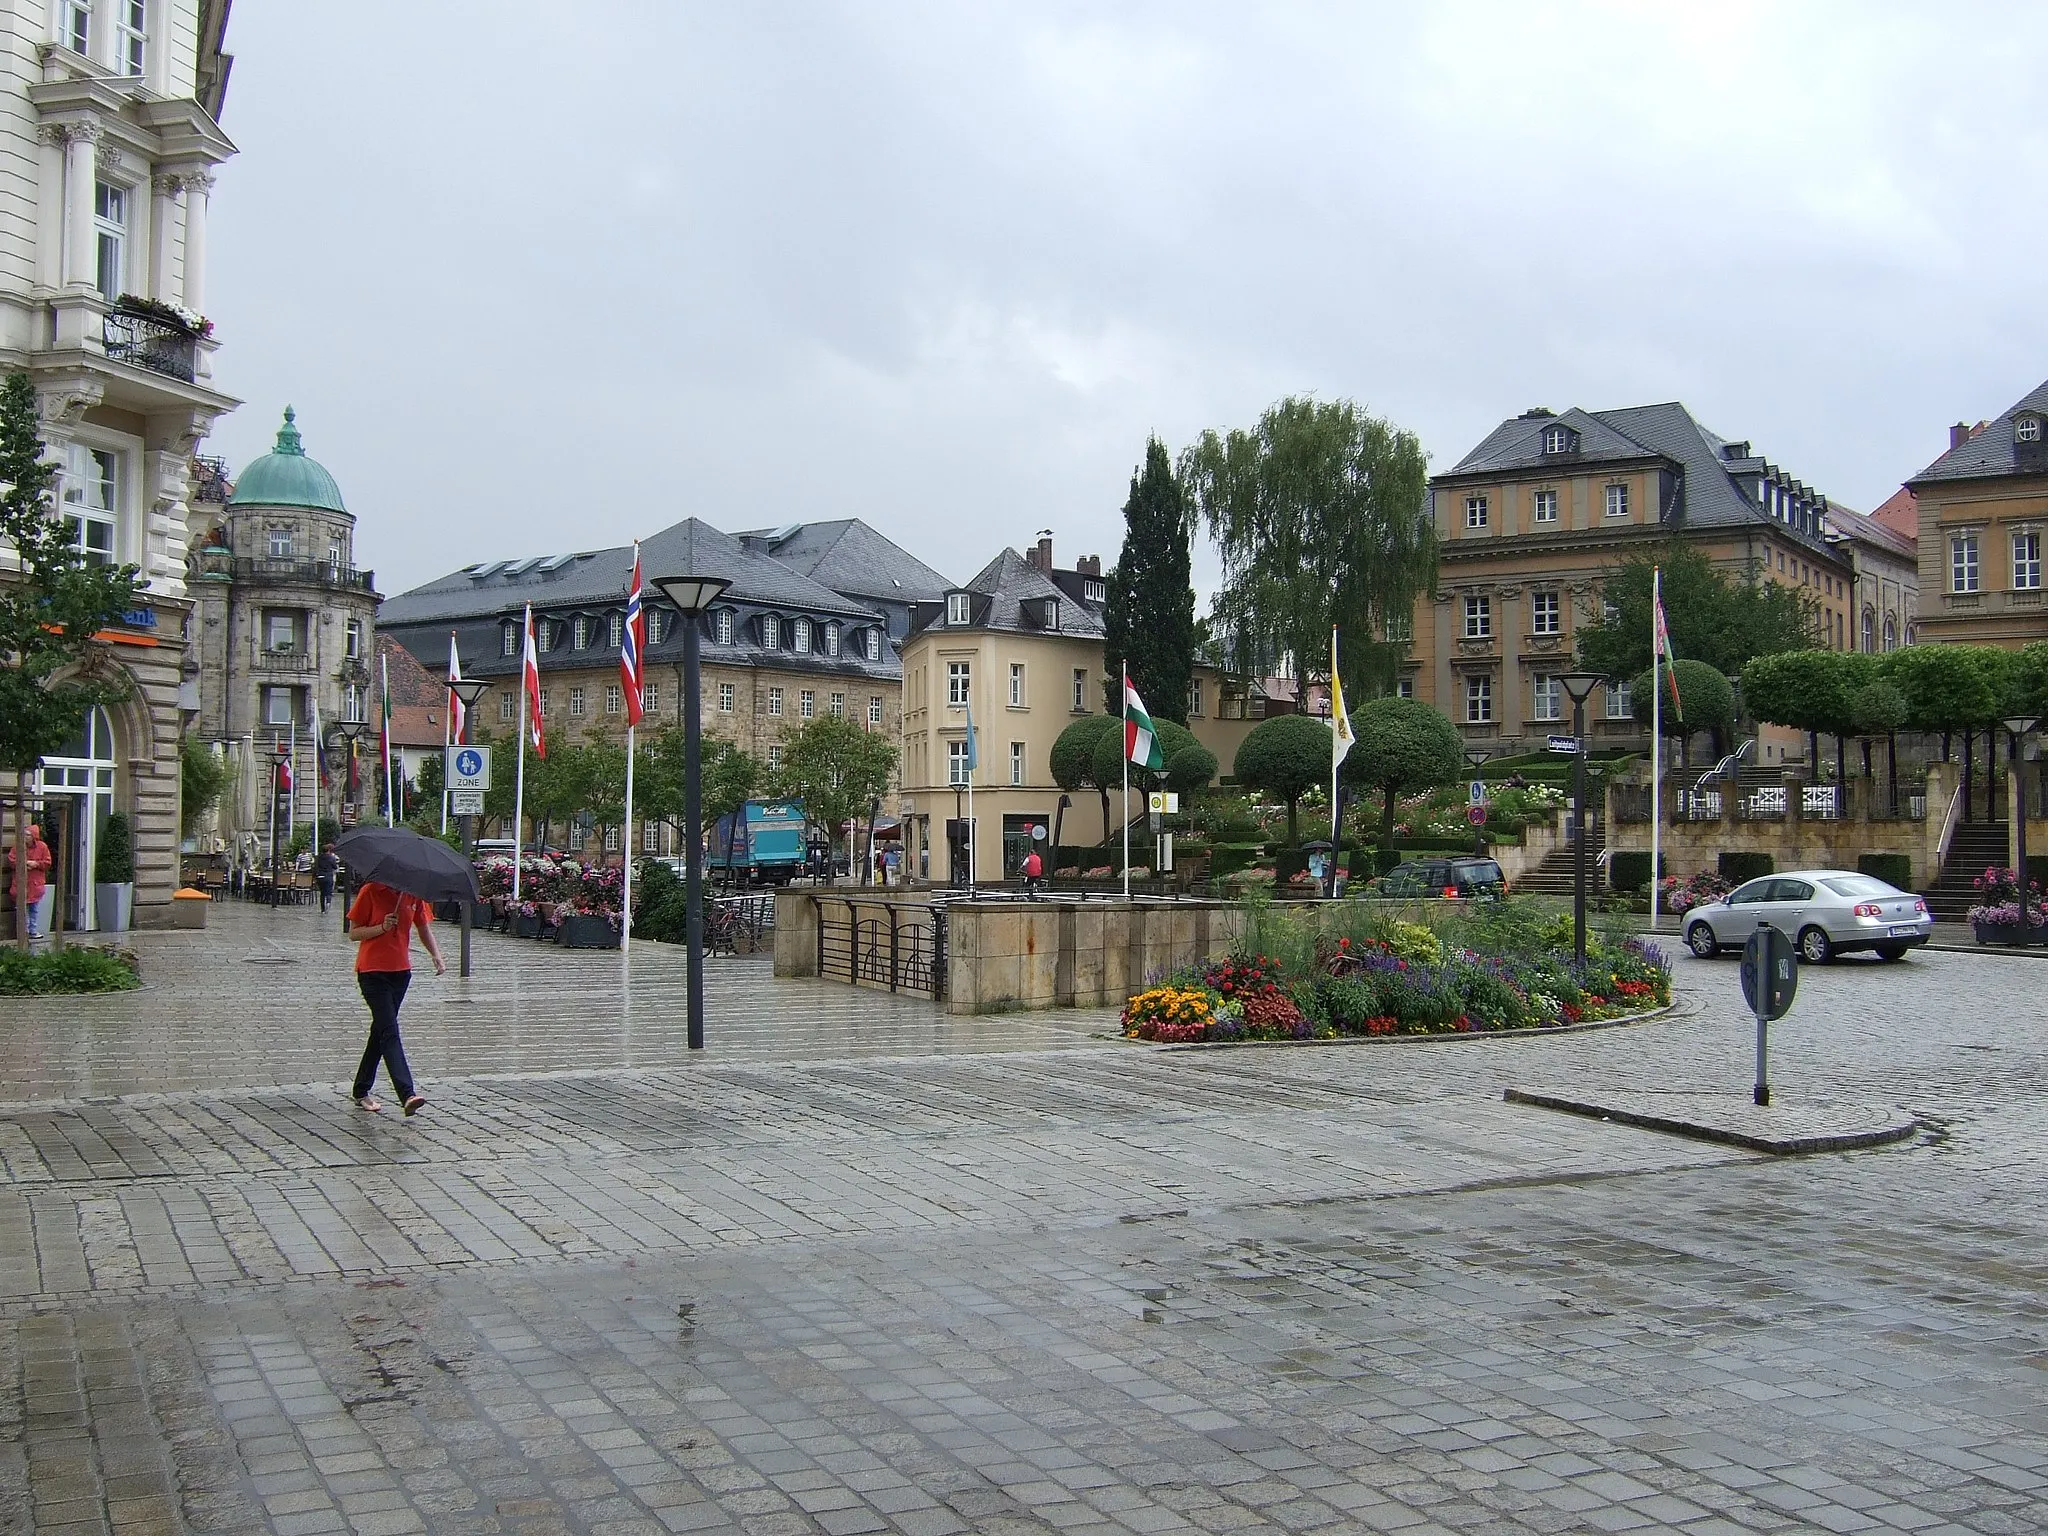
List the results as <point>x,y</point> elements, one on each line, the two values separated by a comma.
<point>1770,980</point>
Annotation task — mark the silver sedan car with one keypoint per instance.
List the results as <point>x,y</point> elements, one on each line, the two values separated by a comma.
<point>1827,911</point>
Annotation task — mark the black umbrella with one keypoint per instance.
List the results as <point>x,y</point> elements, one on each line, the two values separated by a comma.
<point>399,857</point>
<point>1318,845</point>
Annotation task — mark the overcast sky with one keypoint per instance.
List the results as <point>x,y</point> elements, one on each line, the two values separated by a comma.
<point>945,266</point>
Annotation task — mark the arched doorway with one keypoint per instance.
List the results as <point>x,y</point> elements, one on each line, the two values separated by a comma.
<point>78,796</point>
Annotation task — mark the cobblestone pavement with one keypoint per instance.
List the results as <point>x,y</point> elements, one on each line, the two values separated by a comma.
<point>862,1267</point>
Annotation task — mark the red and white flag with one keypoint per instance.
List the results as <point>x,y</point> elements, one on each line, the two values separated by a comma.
<point>531,667</point>
<point>1662,638</point>
<point>633,644</point>
<point>458,713</point>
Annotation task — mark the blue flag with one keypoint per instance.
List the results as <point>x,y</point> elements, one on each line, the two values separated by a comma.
<point>973,744</point>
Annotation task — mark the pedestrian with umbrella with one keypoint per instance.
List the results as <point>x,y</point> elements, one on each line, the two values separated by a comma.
<point>401,874</point>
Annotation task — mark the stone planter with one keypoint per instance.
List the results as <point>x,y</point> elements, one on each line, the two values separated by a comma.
<point>584,932</point>
<point>115,902</point>
<point>524,927</point>
<point>2010,934</point>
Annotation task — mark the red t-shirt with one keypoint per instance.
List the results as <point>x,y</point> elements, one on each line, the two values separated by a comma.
<point>388,951</point>
<point>1032,866</point>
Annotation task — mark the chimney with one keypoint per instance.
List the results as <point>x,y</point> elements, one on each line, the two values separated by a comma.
<point>1045,554</point>
<point>1089,565</point>
<point>1958,435</point>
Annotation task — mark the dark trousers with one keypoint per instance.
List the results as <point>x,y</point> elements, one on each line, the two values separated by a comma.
<point>384,991</point>
<point>326,891</point>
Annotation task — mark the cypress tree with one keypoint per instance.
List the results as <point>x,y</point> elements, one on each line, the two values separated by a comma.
<point>1150,616</point>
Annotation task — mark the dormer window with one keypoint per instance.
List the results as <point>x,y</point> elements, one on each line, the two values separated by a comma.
<point>1559,440</point>
<point>1052,613</point>
<point>800,637</point>
<point>832,639</point>
<point>771,632</point>
<point>2026,429</point>
<point>508,639</point>
<point>1095,591</point>
<point>874,644</point>
<point>721,626</point>
<point>580,634</point>
<point>956,608</point>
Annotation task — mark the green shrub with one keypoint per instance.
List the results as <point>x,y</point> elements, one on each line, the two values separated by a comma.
<point>1629,870</point>
<point>660,903</point>
<point>64,970</point>
<point>115,862</point>
<point>1736,867</point>
<point>1288,863</point>
<point>1892,868</point>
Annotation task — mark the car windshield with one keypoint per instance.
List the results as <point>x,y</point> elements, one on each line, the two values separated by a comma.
<point>1479,874</point>
<point>1859,887</point>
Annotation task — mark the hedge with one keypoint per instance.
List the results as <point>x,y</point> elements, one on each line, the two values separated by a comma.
<point>1629,869</point>
<point>77,969</point>
<point>1736,867</point>
<point>1892,868</point>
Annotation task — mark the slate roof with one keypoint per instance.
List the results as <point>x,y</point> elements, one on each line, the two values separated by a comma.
<point>1518,444</point>
<point>1992,451</point>
<point>1872,530</point>
<point>1003,587</point>
<point>848,556</point>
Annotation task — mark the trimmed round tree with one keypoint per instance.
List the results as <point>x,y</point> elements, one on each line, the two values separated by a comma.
<point>1400,745</point>
<point>1706,695</point>
<point>1107,766</point>
<point>1073,758</point>
<point>1285,756</point>
<point>1190,769</point>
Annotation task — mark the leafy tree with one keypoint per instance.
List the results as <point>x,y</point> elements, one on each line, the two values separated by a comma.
<point>1880,709</point>
<point>834,769</point>
<point>1149,622</point>
<point>1286,756</point>
<point>203,777</point>
<point>51,606</point>
<point>430,783</point>
<point>1705,695</point>
<point>1073,758</point>
<point>1714,617</point>
<point>1321,513</point>
<point>1400,745</point>
<point>727,777</point>
<point>1175,741</point>
<point>1947,688</point>
<point>1191,768</point>
<point>1814,691</point>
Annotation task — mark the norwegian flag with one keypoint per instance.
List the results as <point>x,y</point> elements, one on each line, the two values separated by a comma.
<point>633,644</point>
<point>531,667</point>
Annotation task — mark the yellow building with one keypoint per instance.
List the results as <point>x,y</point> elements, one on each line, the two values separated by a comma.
<point>1983,514</point>
<point>1531,519</point>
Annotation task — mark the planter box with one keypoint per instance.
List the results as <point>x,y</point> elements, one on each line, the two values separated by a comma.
<point>115,903</point>
<point>588,933</point>
<point>524,927</point>
<point>2010,933</point>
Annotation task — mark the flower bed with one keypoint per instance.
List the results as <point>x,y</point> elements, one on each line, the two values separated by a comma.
<point>552,891</point>
<point>2006,913</point>
<point>1485,975</point>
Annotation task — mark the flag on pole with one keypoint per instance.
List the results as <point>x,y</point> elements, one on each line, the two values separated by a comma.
<point>384,714</point>
<point>531,667</point>
<point>1141,742</point>
<point>973,742</point>
<point>1663,643</point>
<point>1340,717</point>
<point>633,644</point>
<point>284,773</point>
<point>458,712</point>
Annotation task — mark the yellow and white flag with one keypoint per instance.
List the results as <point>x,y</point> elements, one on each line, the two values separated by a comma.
<point>1340,718</point>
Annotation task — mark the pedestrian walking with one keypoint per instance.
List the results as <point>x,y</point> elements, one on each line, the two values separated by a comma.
<point>1034,872</point>
<point>324,869</point>
<point>382,922</point>
<point>28,893</point>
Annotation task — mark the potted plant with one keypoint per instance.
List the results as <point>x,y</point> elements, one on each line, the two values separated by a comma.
<point>113,875</point>
<point>2010,911</point>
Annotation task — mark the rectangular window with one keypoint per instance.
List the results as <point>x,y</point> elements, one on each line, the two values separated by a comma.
<point>615,629</point>
<point>1400,628</point>
<point>614,699</point>
<point>279,544</point>
<point>1620,706</point>
<point>775,757</point>
<point>727,693</point>
<point>508,639</point>
<point>806,704</point>
<point>2026,562</point>
<point>771,632</point>
<point>874,644</point>
<point>835,706</point>
<point>575,703</point>
<point>650,698</point>
<point>351,702</point>
<point>800,636</point>
<point>1962,563</point>
<point>280,632</point>
<point>544,703</point>
<point>278,705</point>
<point>875,711</point>
<point>1405,689</point>
<point>1543,506</point>
<point>77,24</point>
<point>1617,501</point>
<point>721,626</point>
<point>131,36</point>
<point>110,226</point>
<point>352,645</point>
<point>1016,685</point>
<point>831,639</point>
<point>957,679</point>
<point>1546,613</point>
<point>1475,511</point>
<point>611,839</point>
<point>774,701</point>
<point>1194,696</point>
<point>1548,697</point>
<point>508,705</point>
<point>90,501</point>
<point>956,762</point>
<point>1478,700</point>
<point>956,608</point>
<point>1080,690</point>
<point>1016,762</point>
<point>650,837</point>
<point>580,634</point>
<point>1478,618</point>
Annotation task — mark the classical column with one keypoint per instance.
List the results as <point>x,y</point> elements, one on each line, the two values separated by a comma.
<point>164,192</point>
<point>198,185</point>
<point>81,171</point>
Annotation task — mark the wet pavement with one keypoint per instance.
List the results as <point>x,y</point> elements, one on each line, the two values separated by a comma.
<point>865,1267</point>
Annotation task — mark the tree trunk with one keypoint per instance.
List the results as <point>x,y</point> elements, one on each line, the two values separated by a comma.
<point>21,862</point>
<point>1891,752</point>
<point>1813,754</point>
<point>1944,746</point>
<point>1293,832</point>
<point>1969,772</point>
<point>1105,818</point>
<point>1841,762</point>
<point>1387,820</point>
<point>1866,762</point>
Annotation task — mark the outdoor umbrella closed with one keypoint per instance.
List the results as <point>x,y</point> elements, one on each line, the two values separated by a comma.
<point>399,857</point>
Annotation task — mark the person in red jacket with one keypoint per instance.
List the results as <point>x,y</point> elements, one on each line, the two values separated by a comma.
<point>1034,871</point>
<point>382,922</point>
<point>28,894</point>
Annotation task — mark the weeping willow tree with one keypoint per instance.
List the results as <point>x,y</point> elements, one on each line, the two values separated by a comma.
<point>1321,514</point>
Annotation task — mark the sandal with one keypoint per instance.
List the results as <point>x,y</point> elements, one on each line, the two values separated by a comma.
<point>415,1104</point>
<point>368,1105</point>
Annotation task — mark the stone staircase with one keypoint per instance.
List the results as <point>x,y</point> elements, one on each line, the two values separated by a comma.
<point>1554,877</point>
<point>1973,847</point>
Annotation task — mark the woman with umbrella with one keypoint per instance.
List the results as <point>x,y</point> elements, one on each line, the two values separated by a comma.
<point>402,874</point>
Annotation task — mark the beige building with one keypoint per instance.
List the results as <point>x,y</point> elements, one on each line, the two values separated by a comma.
<point>1885,597</point>
<point>1983,509</point>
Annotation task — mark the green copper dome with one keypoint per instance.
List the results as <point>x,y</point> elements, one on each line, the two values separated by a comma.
<point>285,477</point>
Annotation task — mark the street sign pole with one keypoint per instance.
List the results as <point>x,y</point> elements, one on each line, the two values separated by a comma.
<point>1770,980</point>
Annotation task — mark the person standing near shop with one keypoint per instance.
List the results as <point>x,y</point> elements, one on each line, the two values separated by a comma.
<point>29,893</point>
<point>324,869</point>
<point>381,923</point>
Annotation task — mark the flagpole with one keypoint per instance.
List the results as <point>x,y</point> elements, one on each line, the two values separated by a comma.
<point>519,778</point>
<point>318,768</point>
<point>384,662</point>
<point>447,726</point>
<point>291,806</point>
<point>1656,740</point>
<point>1124,732</point>
<point>1336,764</point>
<point>626,854</point>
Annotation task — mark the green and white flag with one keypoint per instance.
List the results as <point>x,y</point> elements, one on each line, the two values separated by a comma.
<point>1141,742</point>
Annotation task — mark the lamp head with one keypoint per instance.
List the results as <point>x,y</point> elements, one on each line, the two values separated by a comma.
<point>2021,725</point>
<point>469,690</point>
<point>1580,685</point>
<point>691,595</point>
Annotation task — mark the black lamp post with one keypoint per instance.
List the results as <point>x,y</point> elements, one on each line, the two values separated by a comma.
<point>278,770</point>
<point>471,691</point>
<point>692,595</point>
<point>2019,727</point>
<point>1580,686</point>
<point>1476,757</point>
<point>348,730</point>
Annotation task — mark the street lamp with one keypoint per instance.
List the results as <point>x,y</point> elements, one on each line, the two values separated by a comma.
<point>1476,757</point>
<point>348,731</point>
<point>471,691</point>
<point>2019,727</point>
<point>278,772</point>
<point>1580,686</point>
<point>691,596</point>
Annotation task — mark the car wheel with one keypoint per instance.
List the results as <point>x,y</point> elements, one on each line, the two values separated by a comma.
<point>1892,951</point>
<point>1699,938</point>
<point>1815,947</point>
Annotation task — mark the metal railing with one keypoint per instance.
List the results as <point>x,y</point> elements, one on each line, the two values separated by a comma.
<point>284,661</point>
<point>147,342</point>
<point>317,573</point>
<point>894,944</point>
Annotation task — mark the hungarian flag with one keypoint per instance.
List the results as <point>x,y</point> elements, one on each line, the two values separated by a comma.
<point>458,713</point>
<point>531,666</point>
<point>633,644</point>
<point>1661,638</point>
<point>1340,717</point>
<point>1141,742</point>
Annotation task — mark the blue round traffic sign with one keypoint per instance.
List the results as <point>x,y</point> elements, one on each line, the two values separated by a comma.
<point>469,762</point>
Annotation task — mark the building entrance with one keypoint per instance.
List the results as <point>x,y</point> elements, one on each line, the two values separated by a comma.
<point>79,781</point>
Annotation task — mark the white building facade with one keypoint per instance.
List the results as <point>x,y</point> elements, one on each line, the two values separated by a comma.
<point>108,127</point>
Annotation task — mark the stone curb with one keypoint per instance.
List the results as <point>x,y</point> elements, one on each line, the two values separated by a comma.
<point>1902,1126</point>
